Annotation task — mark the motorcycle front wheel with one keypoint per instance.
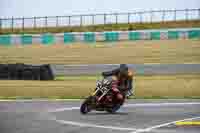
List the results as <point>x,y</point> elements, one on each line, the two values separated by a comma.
<point>86,106</point>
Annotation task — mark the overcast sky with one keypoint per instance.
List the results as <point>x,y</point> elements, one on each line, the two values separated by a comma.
<point>28,8</point>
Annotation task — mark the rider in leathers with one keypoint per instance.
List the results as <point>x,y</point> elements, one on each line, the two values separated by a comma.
<point>121,82</point>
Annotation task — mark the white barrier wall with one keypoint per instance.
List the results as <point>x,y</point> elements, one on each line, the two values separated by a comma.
<point>64,38</point>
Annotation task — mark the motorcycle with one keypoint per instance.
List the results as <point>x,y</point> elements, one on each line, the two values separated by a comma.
<point>101,99</point>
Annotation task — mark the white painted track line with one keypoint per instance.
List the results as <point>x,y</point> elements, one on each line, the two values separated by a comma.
<point>134,130</point>
<point>80,124</point>
<point>163,125</point>
<point>133,105</point>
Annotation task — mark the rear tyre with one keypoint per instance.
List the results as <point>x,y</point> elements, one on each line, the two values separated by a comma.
<point>114,109</point>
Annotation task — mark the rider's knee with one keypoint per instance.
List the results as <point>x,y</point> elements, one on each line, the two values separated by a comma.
<point>120,97</point>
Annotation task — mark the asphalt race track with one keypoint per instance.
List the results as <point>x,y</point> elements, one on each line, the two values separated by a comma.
<point>151,69</point>
<point>137,116</point>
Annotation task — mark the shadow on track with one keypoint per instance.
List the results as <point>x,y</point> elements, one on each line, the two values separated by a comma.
<point>106,113</point>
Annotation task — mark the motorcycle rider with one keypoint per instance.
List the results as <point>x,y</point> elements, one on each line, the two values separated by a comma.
<point>122,78</point>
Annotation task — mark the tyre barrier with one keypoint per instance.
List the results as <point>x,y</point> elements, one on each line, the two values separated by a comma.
<point>25,72</point>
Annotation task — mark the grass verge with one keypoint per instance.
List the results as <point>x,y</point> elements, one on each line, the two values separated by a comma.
<point>146,87</point>
<point>130,52</point>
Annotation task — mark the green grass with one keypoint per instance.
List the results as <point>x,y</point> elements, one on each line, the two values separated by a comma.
<point>129,52</point>
<point>166,97</point>
<point>80,77</point>
<point>32,98</point>
<point>146,87</point>
<point>107,27</point>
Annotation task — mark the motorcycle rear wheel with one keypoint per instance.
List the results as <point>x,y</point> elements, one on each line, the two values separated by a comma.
<point>113,109</point>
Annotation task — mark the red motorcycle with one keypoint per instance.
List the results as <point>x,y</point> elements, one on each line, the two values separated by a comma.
<point>102,99</point>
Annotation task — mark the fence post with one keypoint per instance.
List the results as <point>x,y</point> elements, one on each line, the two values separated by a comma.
<point>69,21</point>
<point>129,18</point>
<point>151,17</point>
<point>186,14</point>
<point>34,19</point>
<point>116,18</point>
<point>174,15</point>
<point>199,13</point>
<point>23,24</point>
<point>81,20</point>
<point>140,14</point>
<point>46,25</point>
<point>46,22</point>
<point>56,21</point>
<point>104,19</point>
<point>12,24</point>
<point>0,24</point>
<point>92,19</point>
<point>163,16</point>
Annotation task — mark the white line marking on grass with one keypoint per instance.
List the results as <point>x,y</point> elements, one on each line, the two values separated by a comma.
<point>162,125</point>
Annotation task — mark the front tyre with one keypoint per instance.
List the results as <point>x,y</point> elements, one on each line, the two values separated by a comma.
<point>86,106</point>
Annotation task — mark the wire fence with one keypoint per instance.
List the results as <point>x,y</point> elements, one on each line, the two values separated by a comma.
<point>97,19</point>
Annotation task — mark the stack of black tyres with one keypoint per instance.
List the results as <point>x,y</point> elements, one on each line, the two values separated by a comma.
<point>4,74</point>
<point>25,72</point>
